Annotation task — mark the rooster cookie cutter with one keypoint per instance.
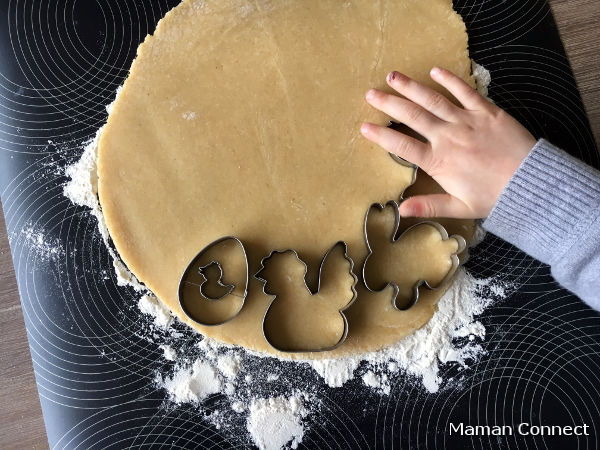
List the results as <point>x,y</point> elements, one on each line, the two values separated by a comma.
<point>198,288</point>
<point>267,325</point>
<point>455,259</point>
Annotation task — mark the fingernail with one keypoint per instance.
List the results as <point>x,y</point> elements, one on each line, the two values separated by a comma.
<point>392,76</point>
<point>364,129</point>
<point>370,94</point>
<point>435,72</point>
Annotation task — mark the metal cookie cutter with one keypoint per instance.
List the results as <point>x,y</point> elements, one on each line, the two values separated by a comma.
<point>410,132</point>
<point>273,323</point>
<point>194,299</point>
<point>462,245</point>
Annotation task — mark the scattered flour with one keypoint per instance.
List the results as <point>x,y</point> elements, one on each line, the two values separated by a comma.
<point>210,347</point>
<point>152,306</point>
<point>380,382</point>
<point>498,290</point>
<point>421,353</point>
<point>238,407</point>
<point>191,384</point>
<point>82,190</point>
<point>272,423</point>
<point>189,115</point>
<point>109,107</point>
<point>336,372</point>
<point>169,352</point>
<point>275,422</point>
<point>478,235</point>
<point>41,247</point>
<point>483,78</point>
<point>229,364</point>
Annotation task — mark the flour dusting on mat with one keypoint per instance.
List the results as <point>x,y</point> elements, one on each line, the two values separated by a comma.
<point>42,248</point>
<point>192,384</point>
<point>230,365</point>
<point>335,372</point>
<point>169,352</point>
<point>269,422</point>
<point>379,382</point>
<point>82,190</point>
<point>276,422</point>
<point>421,353</point>
<point>483,78</point>
<point>156,309</point>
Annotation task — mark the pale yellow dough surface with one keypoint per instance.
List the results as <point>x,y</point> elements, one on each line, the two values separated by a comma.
<point>242,118</point>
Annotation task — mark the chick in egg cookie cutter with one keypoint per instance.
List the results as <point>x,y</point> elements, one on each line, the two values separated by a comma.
<point>201,274</point>
<point>395,238</point>
<point>299,319</point>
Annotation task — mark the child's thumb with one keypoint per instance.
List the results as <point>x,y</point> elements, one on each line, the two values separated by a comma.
<point>435,205</point>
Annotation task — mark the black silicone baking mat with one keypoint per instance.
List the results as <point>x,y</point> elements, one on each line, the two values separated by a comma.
<point>60,64</point>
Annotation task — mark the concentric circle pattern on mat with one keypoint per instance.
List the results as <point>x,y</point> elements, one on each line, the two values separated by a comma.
<point>60,65</point>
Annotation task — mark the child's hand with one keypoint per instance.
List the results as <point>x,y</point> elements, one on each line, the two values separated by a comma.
<point>472,152</point>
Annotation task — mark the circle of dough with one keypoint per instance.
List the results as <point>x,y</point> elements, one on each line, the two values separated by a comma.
<point>242,118</point>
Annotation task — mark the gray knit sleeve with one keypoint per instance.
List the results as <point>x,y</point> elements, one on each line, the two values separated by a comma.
<point>551,210</point>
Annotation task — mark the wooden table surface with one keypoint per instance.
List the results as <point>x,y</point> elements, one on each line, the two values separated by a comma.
<point>21,424</point>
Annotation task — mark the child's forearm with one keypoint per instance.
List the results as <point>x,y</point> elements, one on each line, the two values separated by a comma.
<point>551,210</point>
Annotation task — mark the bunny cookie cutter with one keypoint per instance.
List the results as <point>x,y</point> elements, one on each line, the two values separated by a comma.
<point>454,257</point>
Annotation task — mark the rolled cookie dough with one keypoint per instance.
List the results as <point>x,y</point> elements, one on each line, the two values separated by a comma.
<point>242,118</point>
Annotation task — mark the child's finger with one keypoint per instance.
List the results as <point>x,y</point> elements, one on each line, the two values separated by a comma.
<point>406,147</point>
<point>464,93</point>
<point>429,99</point>
<point>435,205</point>
<point>405,111</point>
